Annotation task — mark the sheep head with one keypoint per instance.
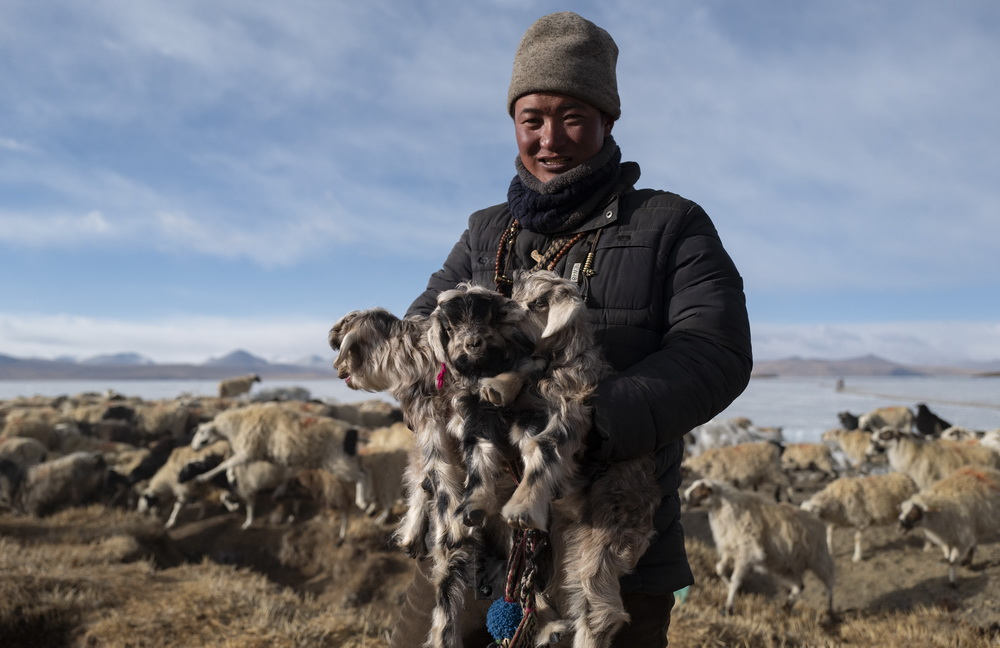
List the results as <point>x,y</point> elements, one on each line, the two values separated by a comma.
<point>205,434</point>
<point>911,514</point>
<point>701,492</point>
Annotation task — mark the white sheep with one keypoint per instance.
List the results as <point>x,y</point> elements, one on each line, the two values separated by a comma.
<point>744,465</point>
<point>45,487</point>
<point>927,461</point>
<point>234,387</point>
<point>853,443</point>
<point>385,458</point>
<point>897,417</point>
<point>957,513</point>
<point>727,432</point>
<point>270,432</point>
<point>166,487</point>
<point>249,481</point>
<point>24,451</point>
<point>815,457</point>
<point>751,533</point>
<point>860,502</point>
<point>991,439</point>
<point>959,433</point>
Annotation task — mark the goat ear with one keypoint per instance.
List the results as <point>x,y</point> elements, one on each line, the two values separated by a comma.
<point>561,313</point>
<point>437,339</point>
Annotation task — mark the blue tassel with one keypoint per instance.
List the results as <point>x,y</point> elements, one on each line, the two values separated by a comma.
<point>503,618</point>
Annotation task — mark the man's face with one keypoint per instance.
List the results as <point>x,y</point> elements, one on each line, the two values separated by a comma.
<point>556,133</point>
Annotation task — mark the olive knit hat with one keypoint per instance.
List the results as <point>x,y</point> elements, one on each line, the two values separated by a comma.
<point>567,54</point>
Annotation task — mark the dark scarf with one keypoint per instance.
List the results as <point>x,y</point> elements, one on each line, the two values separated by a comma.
<point>554,206</point>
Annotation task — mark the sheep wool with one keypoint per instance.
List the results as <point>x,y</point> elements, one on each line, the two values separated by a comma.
<point>957,513</point>
<point>860,502</point>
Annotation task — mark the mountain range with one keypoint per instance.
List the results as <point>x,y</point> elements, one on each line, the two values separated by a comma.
<point>131,365</point>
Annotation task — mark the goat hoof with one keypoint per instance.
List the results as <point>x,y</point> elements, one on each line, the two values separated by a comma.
<point>474,518</point>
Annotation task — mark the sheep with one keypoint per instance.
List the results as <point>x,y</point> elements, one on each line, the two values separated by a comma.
<point>957,513</point>
<point>991,440</point>
<point>271,432</point>
<point>745,465</point>
<point>164,419</point>
<point>367,413</point>
<point>860,502</point>
<point>24,451</point>
<point>751,533</point>
<point>45,487</point>
<point>234,387</point>
<point>323,489</point>
<point>928,461</point>
<point>725,432</point>
<point>896,417</point>
<point>384,458</point>
<point>171,486</point>
<point>34,422</point>
<point>814,457</point>
<point>959,433</point>
<point>853,443</point>
<point>249,481</point>
<point>928,423</point>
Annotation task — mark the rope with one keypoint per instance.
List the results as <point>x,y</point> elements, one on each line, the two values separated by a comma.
<point>943,401</point>
<point>522,569</point>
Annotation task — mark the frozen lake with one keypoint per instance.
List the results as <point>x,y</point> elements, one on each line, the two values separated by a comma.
<point>804,407</point>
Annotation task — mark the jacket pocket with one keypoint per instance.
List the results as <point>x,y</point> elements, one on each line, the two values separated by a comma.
<point>625,265</point>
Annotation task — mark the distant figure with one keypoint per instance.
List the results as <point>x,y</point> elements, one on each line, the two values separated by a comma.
<point>233,387</point>
<point>840,385</point>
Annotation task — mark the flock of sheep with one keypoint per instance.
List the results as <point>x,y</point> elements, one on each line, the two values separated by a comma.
<point>890,466</point>
<point>893,465</point>
<point>160,457</point>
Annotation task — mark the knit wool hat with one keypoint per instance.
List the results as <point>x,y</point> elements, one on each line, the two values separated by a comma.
<point>567,54</point>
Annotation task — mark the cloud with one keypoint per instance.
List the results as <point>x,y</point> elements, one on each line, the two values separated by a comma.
<point>839,148</point>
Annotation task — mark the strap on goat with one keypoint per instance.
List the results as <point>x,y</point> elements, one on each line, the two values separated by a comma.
<point>522,572</point>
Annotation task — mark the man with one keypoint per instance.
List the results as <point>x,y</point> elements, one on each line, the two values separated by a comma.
<point>664,297</point>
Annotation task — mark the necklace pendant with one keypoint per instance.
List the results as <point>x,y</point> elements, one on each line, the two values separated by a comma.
<point>537,256</point>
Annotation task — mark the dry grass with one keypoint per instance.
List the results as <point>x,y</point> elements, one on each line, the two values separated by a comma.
<point>99,577</point>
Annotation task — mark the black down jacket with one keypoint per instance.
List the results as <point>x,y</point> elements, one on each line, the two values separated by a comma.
<point>668,307</point>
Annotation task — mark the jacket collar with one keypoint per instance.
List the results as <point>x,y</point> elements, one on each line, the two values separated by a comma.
<point>604,209</point>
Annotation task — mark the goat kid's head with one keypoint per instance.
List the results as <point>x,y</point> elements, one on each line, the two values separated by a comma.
<point>552,303</point>
<point>477,332</point>
<point>359,339</point>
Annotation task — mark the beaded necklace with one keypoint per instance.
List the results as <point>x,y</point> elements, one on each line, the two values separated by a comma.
<point>502,281</point>
<point>556,251</point>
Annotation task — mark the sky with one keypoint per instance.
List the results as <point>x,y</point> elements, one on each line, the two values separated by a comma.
<point>185,178</point>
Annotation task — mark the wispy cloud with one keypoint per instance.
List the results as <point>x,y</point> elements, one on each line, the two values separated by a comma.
<point>843,149</point>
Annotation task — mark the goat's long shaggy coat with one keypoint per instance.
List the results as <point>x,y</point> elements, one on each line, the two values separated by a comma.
<point>597,535</point>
